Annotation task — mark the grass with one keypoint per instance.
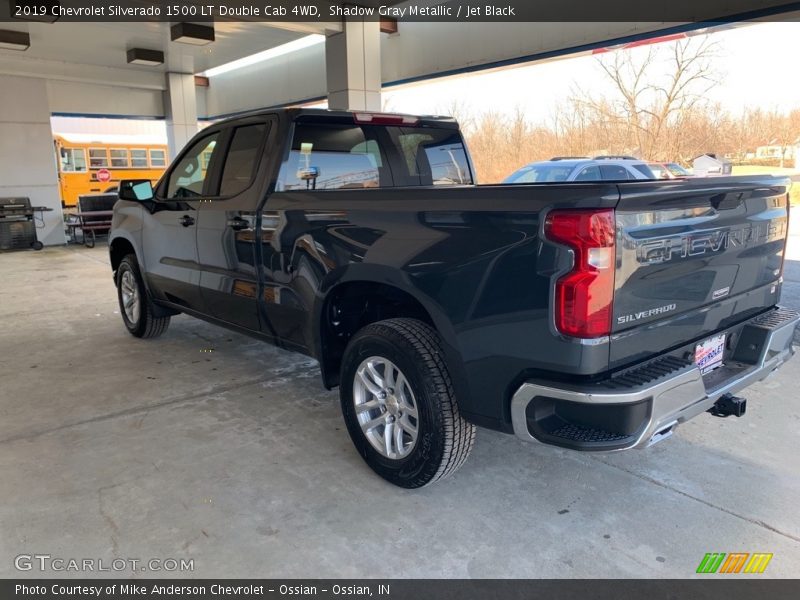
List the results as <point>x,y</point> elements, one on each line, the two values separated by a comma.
<point>794,192</point>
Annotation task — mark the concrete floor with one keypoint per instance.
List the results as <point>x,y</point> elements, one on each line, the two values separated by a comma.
<point>237,458</point>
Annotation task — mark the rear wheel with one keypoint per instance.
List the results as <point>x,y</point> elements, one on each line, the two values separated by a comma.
<point>135,306</point>
<point>399,405</point>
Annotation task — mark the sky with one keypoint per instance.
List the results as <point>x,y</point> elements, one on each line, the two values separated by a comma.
<point>758,64</point>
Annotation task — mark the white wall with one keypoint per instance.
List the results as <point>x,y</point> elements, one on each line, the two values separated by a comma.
<point>27,158</point>
<point>82,98</point>
<point>282,80</point>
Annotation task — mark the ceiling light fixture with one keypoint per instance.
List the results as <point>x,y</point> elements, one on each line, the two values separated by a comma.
<point>15,40</point>
<point>142,56</point>
<point>192,33</point>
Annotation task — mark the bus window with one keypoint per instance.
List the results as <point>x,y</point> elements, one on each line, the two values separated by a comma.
<point>157,158</point>
<point>138,158</point>
<point>98,157</point>
<point>119,157</point>
<point>73,160</point>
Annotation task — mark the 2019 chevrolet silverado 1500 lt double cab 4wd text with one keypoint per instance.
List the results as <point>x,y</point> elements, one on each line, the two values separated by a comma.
<point>591,316</point>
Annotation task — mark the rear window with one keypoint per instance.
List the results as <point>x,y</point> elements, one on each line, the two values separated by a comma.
<point>349,156</point>
<point>432,156</point>
<point>330,158</point>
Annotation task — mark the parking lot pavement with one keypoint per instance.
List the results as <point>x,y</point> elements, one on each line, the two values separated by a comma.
<point>210,446</point>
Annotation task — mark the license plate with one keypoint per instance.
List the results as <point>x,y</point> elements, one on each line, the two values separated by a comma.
<point>708,354</point>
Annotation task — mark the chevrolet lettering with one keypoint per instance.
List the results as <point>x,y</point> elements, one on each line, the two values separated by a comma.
<point>654,251</point>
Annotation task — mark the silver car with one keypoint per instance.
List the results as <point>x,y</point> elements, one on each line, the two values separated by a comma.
<point>599,168</point>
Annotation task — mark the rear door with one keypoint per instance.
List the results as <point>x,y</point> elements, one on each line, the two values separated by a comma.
<point>169,236</point>
<point>226,234</point>
<point>694,257</point>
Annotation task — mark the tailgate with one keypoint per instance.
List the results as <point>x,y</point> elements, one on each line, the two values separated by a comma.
<point>694,257</point>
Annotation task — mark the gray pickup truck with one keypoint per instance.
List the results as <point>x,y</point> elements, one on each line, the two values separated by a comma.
<point>587,315</point>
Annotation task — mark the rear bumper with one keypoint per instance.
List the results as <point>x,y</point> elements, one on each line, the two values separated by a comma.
<point>642,405</point>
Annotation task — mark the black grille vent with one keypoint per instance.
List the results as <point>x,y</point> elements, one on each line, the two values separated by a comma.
<point>576,433</point>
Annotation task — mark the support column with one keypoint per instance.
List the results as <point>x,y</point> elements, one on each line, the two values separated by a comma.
<point>27,155</point>
<point>180,107</point>
<point>353,66</point>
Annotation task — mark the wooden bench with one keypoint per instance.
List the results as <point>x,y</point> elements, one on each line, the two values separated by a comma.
<point>93,217</point>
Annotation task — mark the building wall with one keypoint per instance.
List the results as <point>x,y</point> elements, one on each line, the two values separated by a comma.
<point>27,158</point>
<point>81,98</point>
<point>282,80</point>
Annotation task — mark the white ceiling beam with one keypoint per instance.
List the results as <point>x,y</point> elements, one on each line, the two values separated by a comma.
<point>64,71</point>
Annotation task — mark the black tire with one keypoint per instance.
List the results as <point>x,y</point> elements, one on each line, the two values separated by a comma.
<point>444,438</point>
<point>147,325</point>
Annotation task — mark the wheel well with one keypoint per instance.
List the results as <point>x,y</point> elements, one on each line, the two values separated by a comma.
<point>352,306</point>
<point>119,249</point>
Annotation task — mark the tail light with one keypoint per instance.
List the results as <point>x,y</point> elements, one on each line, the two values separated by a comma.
<point>584,296</point>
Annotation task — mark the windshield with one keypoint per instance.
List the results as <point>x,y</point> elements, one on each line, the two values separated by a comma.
<point>540,173</point>
<point>678,170</point>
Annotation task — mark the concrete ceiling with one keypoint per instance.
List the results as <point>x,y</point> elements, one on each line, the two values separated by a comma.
<point>96,52</point>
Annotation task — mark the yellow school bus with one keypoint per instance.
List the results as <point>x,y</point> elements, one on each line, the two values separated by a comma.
<point>91,167</point>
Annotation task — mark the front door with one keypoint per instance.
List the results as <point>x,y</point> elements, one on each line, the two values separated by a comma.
<point>170,231</point>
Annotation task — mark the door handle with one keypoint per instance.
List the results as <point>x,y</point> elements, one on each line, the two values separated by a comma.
<point>186,220</point>
<point>238,223</point>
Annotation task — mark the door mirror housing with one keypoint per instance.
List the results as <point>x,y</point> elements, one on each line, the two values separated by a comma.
<point>136,190</point>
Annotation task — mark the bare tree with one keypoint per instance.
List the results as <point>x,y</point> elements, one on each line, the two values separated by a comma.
<point>783,130</point>
<point>653,91</point>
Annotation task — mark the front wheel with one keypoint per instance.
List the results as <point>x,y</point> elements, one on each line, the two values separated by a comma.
<point>399,405</point>
<point>135,306</point>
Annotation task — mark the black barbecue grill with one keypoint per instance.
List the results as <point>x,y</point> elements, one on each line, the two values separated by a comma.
<point>18,224</point>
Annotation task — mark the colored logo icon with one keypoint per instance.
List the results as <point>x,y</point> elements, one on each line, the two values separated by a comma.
<point>735,562</point>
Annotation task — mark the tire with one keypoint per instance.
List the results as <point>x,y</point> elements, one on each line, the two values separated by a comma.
<point>443,439</point>
<point>141,322</point>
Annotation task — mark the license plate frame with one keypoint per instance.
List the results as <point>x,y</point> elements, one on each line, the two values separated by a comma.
<point>709,354</point>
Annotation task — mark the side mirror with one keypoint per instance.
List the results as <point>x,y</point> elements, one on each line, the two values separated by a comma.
<point>136,190</point>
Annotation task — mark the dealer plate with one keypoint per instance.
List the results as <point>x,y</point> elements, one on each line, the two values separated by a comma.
<point>708,354</point>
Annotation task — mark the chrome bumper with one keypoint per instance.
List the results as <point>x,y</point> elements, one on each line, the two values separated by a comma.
<point>676,394</point>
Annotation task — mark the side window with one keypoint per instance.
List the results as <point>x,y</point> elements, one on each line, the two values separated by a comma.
<point>188,177</point>
<point>589,174</point>
<point>434,156</point>
<point>614,172</point>
<point>158,158</point>
<point>138,158</point>
<point>242,159</point>
<point>119,157</point>
<point>98,157</point>
<point>73,160</point>
<point>330,157</point>
<point>650,172</point>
